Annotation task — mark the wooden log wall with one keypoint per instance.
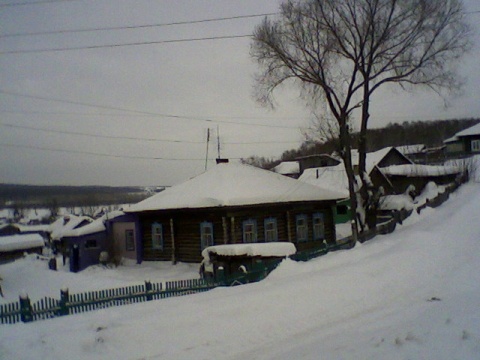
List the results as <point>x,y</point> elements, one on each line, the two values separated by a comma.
<point>186,227</point>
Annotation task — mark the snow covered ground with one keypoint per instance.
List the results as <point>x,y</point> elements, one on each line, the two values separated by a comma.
<point>31,275</point>
<point>412,294</point>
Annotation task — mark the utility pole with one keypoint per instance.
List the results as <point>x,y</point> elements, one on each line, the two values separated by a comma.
<point>206,155</point>
<point>218,142</point>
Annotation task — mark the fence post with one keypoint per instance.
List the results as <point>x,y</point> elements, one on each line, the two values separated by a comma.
<point>26,313</point>
<point>64,297</point>
<point>148,290</point>
<point>221,276</point>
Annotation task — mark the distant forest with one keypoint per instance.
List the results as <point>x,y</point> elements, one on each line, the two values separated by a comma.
<point>429,133</point>
<point>68,196</point>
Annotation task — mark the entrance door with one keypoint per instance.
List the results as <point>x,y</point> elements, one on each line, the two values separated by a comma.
<point>75,259</point>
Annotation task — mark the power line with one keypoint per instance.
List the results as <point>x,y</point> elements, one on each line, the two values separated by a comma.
<point>97,135</point>
<point>106,107</point>
<point>34,3</point>
<point>137,138</point>
<point>67,31</point>
<point>21,112</point>
<point>142,43</point>
<point>98,154</point>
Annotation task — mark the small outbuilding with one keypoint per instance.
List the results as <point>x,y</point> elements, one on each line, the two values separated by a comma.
<point>14,246</point>
<point>250,261</point>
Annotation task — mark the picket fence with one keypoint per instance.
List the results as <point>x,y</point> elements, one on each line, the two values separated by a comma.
<point>47,307</point>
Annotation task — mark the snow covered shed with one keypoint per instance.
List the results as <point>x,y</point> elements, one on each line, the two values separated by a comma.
<point>14,246</point>
<point>242,259</point>
<point>234,203</point>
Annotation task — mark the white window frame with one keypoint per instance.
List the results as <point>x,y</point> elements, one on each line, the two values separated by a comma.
<point>271,234</point>
<point>249,236</point>
<point>206,234</point>
<point>129,240</point>
<point>475,145</point>
<point>318,228</point>
<point>157,236</point>
<point>301,229</point>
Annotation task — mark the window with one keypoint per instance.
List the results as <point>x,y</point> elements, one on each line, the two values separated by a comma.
<point>249,231</point>
<point>318,226</point>
<point>91,244</point>
<point>302,228</point>
<point>157,236</point>
<point>271,229</point>
<point>475,145</point>
<point>129,240</point>
<point>206,234</point>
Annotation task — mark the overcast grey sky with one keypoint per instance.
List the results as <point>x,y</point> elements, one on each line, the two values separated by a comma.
<point>63,112</point>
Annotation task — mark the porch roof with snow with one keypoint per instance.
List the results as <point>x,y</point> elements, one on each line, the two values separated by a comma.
<point>234,184</point>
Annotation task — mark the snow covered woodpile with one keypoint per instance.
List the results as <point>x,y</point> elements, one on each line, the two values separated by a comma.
<point>14,246</point>
<point>234,203</point>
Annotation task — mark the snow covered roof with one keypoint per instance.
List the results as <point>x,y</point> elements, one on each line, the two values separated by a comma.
<point>234,184</point>
<point>287,167</point>
<point>411,149</point>
<point>473,130</point>
<point>330,177</point>
<point>95,226</point>
<point>257,249</point>
<point>20,242</point>
<point>34,228</point>
<point>421,170</point>
<point>374,158</point>
<point>65,224</point>
<point>335,177</point>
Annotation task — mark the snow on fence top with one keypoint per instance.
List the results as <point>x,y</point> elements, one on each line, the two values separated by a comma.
<point>263,249</point>
<point>21,242</point>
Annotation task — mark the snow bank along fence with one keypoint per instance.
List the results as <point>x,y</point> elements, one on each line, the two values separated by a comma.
<point>47,308</point>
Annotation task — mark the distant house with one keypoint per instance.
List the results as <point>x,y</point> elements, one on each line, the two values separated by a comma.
<point>465,142</point>
<point>231,204</point>
<point>113,233</point>
<point>288,168</point>
<point>316,161</point>
<point>335,177</point>
<point>14,246</point>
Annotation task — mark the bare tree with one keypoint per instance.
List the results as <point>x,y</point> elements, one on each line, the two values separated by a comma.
<point>342,51</point>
